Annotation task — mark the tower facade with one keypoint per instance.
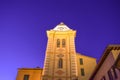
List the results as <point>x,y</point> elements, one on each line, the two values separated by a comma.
<point>60,60</point>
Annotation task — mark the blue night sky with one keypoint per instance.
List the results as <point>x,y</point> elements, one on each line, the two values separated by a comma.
<point>23,26</point>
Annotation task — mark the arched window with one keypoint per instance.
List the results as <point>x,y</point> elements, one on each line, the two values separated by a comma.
<point>60,63</point>
<point>63,42</point>
<point>58,42</point>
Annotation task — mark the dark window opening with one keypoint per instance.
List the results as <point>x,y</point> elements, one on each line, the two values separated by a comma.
<point>26,77</point>
<point>60,63</point>
<point>58,42</point>
<point>82,72</point>
<point>81,61</point>
<point>63,43</point>
<point>110,75</point>
<point>114,72</point>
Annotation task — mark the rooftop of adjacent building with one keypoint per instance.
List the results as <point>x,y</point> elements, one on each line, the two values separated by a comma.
<point>85,55</point>
<point>108,49</point>
<point>37,68</point>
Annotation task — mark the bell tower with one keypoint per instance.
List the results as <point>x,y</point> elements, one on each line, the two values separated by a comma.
<point>60,59</point>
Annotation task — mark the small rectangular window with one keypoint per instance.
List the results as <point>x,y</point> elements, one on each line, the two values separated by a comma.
<point>58,42</point>
<point>26,77</point>
<point>81,61</point>
<point>82,72</point>
<point>63,42</point>
<point>60,63</point>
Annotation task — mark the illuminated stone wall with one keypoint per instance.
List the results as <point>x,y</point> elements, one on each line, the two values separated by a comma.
<point>32,73</point>
<point>61,61</point>
<point>67,53</point>
<point>88,65</point>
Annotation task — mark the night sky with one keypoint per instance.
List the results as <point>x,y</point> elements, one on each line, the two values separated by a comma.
<point>23,26</point>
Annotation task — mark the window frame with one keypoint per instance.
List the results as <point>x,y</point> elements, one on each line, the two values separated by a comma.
<point>82,72</point>
<point>60,63</point>
<point>63,42</point>
<point>58,43</point>
<point>81,61</point>
<point>26,77</point>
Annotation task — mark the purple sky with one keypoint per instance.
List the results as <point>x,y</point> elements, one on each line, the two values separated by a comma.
<point>23,26</point>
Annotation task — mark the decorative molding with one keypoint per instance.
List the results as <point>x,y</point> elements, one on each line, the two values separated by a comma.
<point>60,72</point>
<point>60,55</point>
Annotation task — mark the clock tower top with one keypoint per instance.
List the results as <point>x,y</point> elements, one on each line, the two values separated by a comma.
<point>61,27</point>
